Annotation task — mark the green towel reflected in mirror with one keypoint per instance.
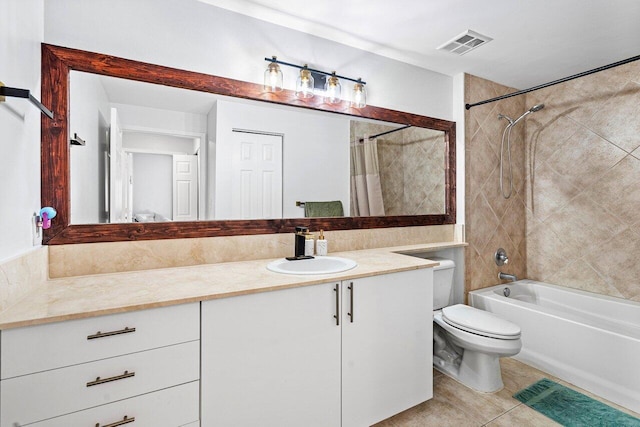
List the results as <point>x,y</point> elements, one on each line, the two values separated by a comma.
<point>323,209</point>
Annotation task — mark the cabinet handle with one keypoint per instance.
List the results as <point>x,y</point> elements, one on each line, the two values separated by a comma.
<point>350,314</point>
<point>125,420</point>
<point>99,380</point>
<point>337,315</point>
<point>99,334</point>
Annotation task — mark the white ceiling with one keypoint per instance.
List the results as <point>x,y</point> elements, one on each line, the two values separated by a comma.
<point>534,41</point>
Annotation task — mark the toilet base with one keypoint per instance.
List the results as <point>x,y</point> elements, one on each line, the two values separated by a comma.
<point>478,371</point>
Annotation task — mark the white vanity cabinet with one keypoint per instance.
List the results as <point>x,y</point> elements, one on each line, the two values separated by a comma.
<point>97,371</point>
<point>347,353</point>
<point>387,345</point>
<point>272,359</point>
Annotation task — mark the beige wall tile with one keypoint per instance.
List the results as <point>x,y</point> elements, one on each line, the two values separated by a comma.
<point>583,223</point>
<point>491,220</point>
<point>617,261</point>
<point>97,258</point>
<point>580,275</point>
<point>548,192</point>
<point>582,192</point>
<point>619,119</point>
<point>584,158</point>
<point>20,275</point>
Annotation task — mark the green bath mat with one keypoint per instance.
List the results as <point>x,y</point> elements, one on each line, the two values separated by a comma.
<point>571,408</point>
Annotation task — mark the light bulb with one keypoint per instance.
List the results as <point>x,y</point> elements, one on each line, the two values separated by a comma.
<point>273,77</point>
<point>332,90</point>
<point>305,84</point>
<point>359,99</point>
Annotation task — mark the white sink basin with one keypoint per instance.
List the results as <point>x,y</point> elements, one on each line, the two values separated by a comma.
<point>317,265</point>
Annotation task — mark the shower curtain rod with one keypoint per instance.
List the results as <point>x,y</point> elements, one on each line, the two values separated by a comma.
<point>386,133</point>
<point>555,82</point>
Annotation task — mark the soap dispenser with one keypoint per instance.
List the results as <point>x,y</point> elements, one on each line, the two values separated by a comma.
<point>309,244</point>
<point>321,245</point>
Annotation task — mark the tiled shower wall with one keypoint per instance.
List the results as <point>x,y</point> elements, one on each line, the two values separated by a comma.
<point>491,220</point>
<point>411,165</point>
<point>575,220</point>
<point>583,183</point>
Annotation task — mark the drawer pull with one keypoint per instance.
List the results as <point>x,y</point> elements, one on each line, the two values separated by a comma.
<point>110,334</point>
<point>99,380</point>
<point>125,420</point>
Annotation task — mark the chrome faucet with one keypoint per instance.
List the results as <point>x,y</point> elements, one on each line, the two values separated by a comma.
<point>509,277</point>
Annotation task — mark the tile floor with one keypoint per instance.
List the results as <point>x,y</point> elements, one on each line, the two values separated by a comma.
<point>455,405</point>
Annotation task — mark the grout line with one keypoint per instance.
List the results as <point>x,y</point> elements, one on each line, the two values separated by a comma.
<point>504,413</point>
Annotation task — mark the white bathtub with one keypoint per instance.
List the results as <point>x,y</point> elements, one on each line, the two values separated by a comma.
<point>589,340</point>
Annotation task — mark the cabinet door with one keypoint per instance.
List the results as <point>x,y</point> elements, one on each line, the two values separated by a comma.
<point>386,345</point>
<point>272,359</point>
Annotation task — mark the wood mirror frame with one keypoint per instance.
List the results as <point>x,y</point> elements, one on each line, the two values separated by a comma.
<point>57,62</point>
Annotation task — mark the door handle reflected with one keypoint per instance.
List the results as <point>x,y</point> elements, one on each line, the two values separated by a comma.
<point>350,313</point>
<point>337,315</point>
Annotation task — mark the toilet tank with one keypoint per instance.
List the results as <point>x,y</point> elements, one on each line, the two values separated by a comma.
<point>442,282</point>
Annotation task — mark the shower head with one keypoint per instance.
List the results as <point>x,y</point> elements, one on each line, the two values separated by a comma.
<point>533,109</point>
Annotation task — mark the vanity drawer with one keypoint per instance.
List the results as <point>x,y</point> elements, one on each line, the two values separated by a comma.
<point>39,348</point>
<point>175,406</point>
<point>36,397</point>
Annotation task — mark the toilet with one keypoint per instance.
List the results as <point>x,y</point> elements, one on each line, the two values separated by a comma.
<point>468,342</point>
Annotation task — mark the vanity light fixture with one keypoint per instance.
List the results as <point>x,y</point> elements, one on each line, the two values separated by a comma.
<point>305,83</point>
<point>273,76</point>
<point>310,78</point>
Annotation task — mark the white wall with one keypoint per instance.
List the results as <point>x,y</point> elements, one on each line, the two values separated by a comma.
<point>158,143</point>
<point>136,117</point>
<point>191,35</point>
<point>21,31</point>
<point>315,152</point>
<point>153,183</point>
<point>210,163</point>
<point>89,117</point>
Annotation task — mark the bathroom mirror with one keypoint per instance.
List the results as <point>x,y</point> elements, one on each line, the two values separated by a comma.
<point>158,153</point>
<point>61,160</point>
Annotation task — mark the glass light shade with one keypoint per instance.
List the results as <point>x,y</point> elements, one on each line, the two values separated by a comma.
<point>273,77</point>
<point>332,90</point>
<point>304,84</point>
<point>359,97</point>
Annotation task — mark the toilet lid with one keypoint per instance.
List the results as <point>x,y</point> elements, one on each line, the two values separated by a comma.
<point>480,322</point>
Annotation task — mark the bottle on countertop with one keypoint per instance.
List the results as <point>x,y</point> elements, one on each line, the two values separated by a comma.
<point>321,245</point>
<point>309,244</point>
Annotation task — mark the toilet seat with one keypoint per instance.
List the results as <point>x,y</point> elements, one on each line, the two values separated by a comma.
<point>480,322</point>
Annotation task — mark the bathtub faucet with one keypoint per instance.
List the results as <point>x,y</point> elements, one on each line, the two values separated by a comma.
<point>509,277</point>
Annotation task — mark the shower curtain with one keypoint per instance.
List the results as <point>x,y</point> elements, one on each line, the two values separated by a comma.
<point>366,192</point>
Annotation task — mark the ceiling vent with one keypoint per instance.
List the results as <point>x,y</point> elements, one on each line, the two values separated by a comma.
<point>465,42</point>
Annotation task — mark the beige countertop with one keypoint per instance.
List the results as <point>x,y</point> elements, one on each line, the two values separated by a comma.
<point>86,296</point>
